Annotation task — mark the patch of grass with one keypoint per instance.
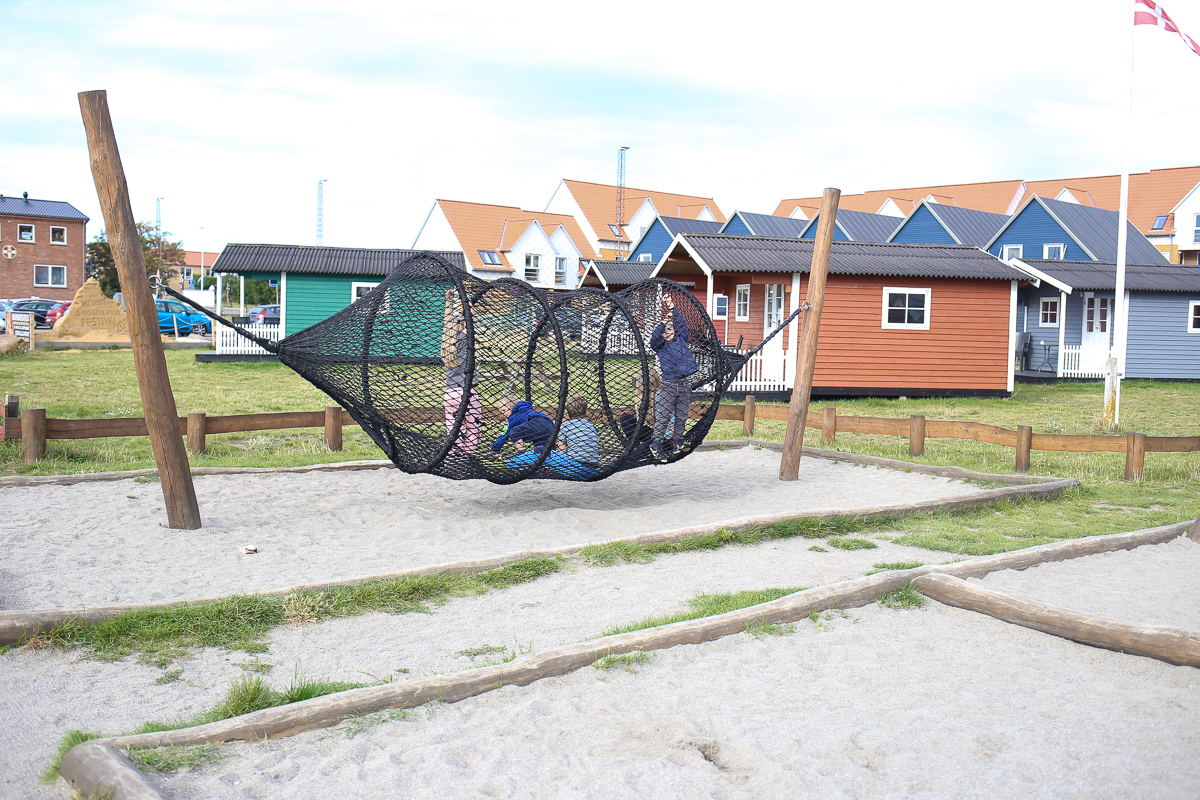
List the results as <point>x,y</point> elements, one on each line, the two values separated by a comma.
<point>818,549</point>
<point>69,740</point>
<point>257,667</point>
<point>362,723</point>
<point>884,567</point>
<point>907,596</point>
<point>486,650</point>
<point>627,661</point>
<point>708,605</point>
<point>174,759</point>
<point>609,553</point>
<point>850,543</point>
<point>169,677</point>
<point>763,629</point>
<point>244,696</point>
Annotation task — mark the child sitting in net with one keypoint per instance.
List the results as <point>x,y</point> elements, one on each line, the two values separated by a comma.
<point>526,426</point>
<point>577,453</point>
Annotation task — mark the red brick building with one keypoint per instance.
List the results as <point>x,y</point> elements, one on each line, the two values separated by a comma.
<point>42,248</point>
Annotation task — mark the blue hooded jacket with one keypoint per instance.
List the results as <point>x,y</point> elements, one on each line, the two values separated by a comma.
<point>526,424</point>
<point>674,357</point>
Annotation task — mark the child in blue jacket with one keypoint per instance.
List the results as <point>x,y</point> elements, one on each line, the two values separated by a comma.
<point>525,424</point>
<point>670,342</point>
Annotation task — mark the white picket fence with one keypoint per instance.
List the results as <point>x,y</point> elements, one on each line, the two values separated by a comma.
<point>1079,361</point>
<point>766,371</point>
<point>229,342</point>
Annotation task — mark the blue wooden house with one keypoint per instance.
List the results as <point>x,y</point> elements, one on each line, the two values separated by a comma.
<point>744,223</point>
<point>1054,229</point>
<point>1067,311</point>
<point>856,226</point>
<point>935,223</point>
<point>660,233</point>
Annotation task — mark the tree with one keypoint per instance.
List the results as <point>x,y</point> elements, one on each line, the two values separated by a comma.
<point>159,253</point>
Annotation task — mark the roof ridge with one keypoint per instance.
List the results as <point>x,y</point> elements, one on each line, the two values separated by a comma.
<point>793,239</point>
<point>632,189</point>
<point>473,203</point>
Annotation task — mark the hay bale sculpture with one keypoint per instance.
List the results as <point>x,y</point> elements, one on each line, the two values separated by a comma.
<point>464,378</point>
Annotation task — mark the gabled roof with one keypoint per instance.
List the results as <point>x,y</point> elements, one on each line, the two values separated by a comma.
<point>726,253</point>
<point>1093,229</point>
<point>965,225</point>
<point>858,226</point>
<point>1093,275</point>
<point>619,273</point>
<point>993,196</point>
<point>598,202</point>
<point>322,260</point>
<point>51,209</point>
<point>678,225</point>
<point>770,225</point>
<point>480,226</point>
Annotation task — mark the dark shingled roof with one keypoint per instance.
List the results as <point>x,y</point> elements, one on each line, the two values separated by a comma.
<point>1093,275</point>
<point>1096,229</point>
<point>321,260</point>
<point>624,273</point>
<point>726,253</point>
<point>969,226</point>
<point>678,225</point>
<point>53,209</point>
<point>860,226</point>
<point>768,225</point>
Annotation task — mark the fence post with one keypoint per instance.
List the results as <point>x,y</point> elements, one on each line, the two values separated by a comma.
<point>197,427</point>
<point>829,425</point>
<point>916,434</point>
<point>748,416</point>
<point>1135,456</point>
<point>12,405</point>
<point>1024,444</point>
<point>333,427</point>
<point>33,434</point>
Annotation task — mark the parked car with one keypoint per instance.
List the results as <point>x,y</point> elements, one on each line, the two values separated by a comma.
<point>38,307</point>
<point>264,315</point>
<point>176,317</point>
<point>56,312</point>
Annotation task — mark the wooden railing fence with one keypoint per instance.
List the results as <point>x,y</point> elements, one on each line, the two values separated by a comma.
<point>33,428</point>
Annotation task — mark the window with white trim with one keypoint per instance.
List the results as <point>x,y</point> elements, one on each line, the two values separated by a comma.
<point>906,308</point>
<point>359,290</point>
<point>616,231</point>
<point>721,307</point>
<point>58,234</point>
<point>1048,318</point>
<point>1011,251</point>
<point>1053,251</point>
<point>490,258</point>
<point>1196,233</point>
<point>1194,317</point>
<point>741,308</point>
<point>646,257</point>
<point>1096,313</point>
<point>560,271</point>
<point>49,275</point>
<point>25,233</point>
<point>533,269</point>
<point>1160,222</point>
<point>773,309</point>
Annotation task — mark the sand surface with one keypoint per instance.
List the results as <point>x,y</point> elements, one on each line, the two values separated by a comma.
<point>101,543</point>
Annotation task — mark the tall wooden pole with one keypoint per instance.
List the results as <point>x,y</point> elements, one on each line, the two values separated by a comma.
<point>806,349</point>
<point>158,404</point>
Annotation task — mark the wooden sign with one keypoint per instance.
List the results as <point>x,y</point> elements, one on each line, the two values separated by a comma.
<point>21,324</point>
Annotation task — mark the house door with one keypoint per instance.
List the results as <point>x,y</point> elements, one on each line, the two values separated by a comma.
<point>772,354</point>
<point>1097,316</point>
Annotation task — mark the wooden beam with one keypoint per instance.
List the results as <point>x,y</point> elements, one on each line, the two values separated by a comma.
<point>916,434</point>
<point>748,416</point>
<point>1135,457</point>
<point>333,427</point>
<point>158,404</point>
<point>806,348</point>
<point>33,434</point>
<point>1024,442</point>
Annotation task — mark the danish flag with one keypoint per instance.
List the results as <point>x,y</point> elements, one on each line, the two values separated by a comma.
<point>1147,12</point>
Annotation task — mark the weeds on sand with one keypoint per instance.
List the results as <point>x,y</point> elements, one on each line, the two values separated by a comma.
<point>486,650</point>
<point>884,567</point>
<point>818,549</point>
<point>254,666</point>
<point>764,629</point>
<point>708,605</point>
<point>362,723</point>
<point>174,759</point>
<point>627,661</point>
<point>850,543</point>
<point>907,596</point>
<point>240,622</point>
<point>69,740</point>
<point>169,677</point>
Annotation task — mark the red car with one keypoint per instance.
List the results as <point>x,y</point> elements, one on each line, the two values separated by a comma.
<point>55,312</point>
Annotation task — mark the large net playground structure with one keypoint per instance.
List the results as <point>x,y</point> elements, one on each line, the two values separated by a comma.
<point>455,376</point>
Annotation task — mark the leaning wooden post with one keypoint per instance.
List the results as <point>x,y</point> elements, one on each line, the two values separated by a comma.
<point>158,404</point>
<point>829,425</point>
<point>916,434</point>
<point>333,427</point>
<point>33,434</point>
<point>197,428</point>
<point>1024,445</point>
<point>1135,456</point>
<point>806,350</point>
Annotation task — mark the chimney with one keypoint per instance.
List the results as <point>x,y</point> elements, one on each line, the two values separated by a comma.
<point>26,196</point>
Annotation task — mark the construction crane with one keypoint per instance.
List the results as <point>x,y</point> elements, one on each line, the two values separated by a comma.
<point>321,211</point>
<point>622,248</point>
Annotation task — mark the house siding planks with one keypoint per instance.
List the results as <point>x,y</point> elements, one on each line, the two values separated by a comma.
<point>1159,345</point>
<point>811,231</point>
<point>922,228</point>
<point>737,227</point>
<point>314,298</point>
<point>1032,229</point>
<point>655,242</point>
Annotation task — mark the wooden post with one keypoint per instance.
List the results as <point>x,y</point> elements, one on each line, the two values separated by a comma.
<point>158,404</point>
<point>829,425</point>
<point>806,348</point>
<point>748,416</point>
<point>916,434</point>
<point>12,405</point>
<point>33,434</point>
<point>333,427</point>
<point>197,427</point>
<point>1024,443</point>
<point>1135,456</point>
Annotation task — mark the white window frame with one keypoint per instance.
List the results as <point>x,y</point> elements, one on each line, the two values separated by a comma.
<point>62,228</point>
<point>1193,312</point>
<point>1098,302</point>
<point>1046,252</point>
<point>646,258</point>
<point>906,326</point>
<point>51,284</point>
<point>356,285</point>
<point>717,298</point>
<point>533,261</point>
<point>560,271</point>
<point>742,295</point>
<point>490,258</point>
<point>32,233</point>
<point>1043,311</point>
<point>612,227</point>
<point>1011,251</point>
<point>778,306</point>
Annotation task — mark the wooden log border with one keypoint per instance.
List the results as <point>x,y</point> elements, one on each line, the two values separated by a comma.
<point>92,769</point>
<point>1173,645</point>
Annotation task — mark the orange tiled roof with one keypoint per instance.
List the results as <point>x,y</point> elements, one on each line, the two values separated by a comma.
<point>480,226</point>
<point>598,201</point>
<point>191,258</point>
<point>1150,194</point>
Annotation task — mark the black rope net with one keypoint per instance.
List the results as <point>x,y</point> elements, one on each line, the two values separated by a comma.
<point>464,378</point>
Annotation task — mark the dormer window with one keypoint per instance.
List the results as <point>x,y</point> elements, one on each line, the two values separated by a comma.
<point>490,258</point>
<point>1160,222</point>
<point>616,231</point>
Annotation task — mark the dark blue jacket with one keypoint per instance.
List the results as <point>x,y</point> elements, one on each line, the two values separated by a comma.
<point>524,423</point>
<point>675,357</point>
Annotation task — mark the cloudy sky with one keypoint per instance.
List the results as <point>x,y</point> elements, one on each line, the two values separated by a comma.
<point>231,112</point>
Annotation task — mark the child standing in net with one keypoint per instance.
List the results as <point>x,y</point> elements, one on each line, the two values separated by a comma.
<point>670,342</point>
<point>455,348</point>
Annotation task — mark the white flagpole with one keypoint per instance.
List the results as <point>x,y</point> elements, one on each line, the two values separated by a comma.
<point>1115,370</point>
